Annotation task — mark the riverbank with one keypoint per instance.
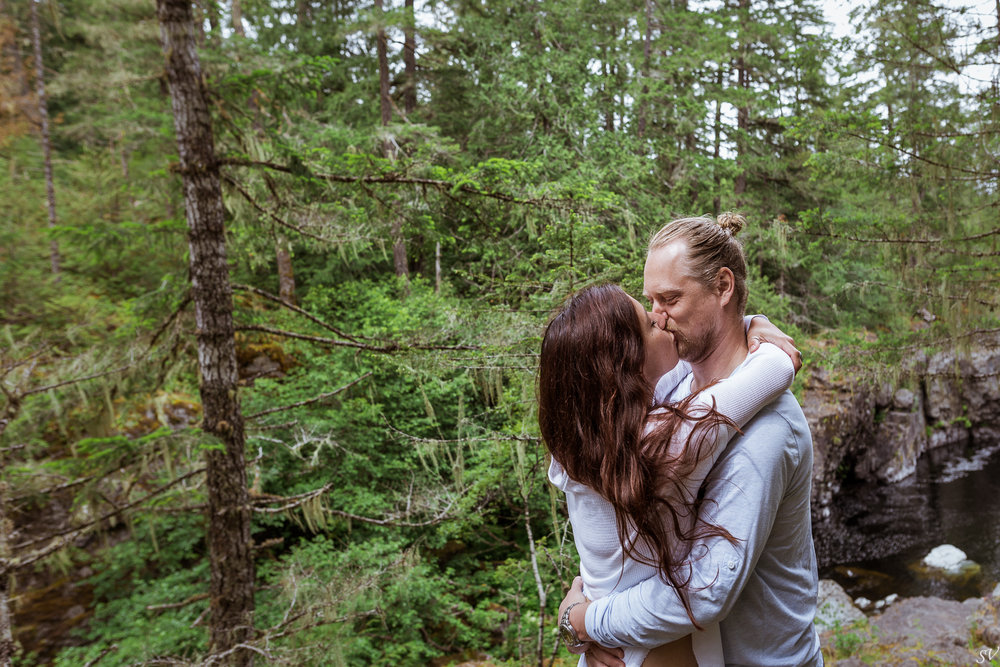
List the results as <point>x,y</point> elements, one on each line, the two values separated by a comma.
<point>877,430</point>
<point>914,631</point>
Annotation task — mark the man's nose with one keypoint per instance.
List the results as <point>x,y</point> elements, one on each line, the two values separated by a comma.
<point>659,319</point>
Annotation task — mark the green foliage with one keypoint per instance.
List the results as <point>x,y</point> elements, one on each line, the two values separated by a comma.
<point>549,140</point>
<point>161,564</point>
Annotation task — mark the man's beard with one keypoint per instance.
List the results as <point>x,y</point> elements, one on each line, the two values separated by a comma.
<point>694,349</point>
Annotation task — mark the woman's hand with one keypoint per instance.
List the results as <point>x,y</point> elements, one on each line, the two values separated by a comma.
<point>762,331</point>
<point>597,655</point>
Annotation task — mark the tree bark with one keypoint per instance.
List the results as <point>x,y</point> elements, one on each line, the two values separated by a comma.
<point>647,43</point>
<point>410,60</point>
<point>717,144</point>
<point>43,113</point>
<point>7,645</point>
<point>286,274</point>
<point>237,12</point>
<point>385,106</point>
<point>385,103</point>
<point>229,542</point>
<point>743,110</point>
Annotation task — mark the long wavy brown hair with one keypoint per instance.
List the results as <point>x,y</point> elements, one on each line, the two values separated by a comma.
<point>594,405</point>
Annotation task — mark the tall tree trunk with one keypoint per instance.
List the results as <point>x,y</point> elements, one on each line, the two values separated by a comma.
<point>43,113</point>
<point>228,512</point>
<point>303,12</point>
<point>214,22</point>
<point>7,645</point>
<point>385,106</point>
<point>743,110</point>
<point>647,44</point>
<point>609,110</point>
<point>237,12</point>
<point>286,275</point>
<point>410,60</point>
<point>717,144</point>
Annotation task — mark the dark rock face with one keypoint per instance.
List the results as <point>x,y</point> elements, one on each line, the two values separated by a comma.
<point>875,431</point>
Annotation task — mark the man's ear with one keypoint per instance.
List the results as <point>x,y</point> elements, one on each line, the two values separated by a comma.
<point>725,285</point>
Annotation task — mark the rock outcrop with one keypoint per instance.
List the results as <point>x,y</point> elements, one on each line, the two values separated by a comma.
<point>875,431</point>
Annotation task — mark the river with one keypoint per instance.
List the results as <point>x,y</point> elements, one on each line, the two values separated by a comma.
<point>877,532</point>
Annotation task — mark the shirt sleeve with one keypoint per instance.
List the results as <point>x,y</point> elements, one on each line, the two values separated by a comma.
<point>745,491</point>
<point>669,381</point>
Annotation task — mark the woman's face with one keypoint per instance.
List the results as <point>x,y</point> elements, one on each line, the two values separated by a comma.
<point>661,351</point>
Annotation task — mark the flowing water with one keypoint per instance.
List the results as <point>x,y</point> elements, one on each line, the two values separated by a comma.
<point>877,533</point>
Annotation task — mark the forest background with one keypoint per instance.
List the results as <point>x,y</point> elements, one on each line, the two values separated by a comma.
<point>311,438</point>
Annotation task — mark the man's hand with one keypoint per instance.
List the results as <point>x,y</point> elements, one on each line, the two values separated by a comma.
<point>597,656</point>
<point>762,331</point>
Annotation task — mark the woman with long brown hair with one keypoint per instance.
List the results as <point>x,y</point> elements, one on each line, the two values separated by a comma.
<point>631,468</point>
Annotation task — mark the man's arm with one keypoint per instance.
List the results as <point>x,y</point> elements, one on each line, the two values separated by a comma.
<point>746,487</point>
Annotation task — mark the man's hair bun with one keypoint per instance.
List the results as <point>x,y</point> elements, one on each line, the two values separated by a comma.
<point>731,222</point>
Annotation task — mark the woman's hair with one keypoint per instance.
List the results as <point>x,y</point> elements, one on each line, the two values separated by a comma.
<point>594,403</point>
<point>712,244</point>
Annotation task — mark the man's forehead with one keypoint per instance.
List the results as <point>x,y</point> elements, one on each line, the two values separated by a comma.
<point>666,267</point>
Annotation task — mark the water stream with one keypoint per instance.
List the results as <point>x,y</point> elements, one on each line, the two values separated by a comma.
<point>876,533</point>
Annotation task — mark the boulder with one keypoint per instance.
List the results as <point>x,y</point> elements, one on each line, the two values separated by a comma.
<point>947,562</point>
<point>945,557</point>
<point>834,607</point>
<point>929,630</point>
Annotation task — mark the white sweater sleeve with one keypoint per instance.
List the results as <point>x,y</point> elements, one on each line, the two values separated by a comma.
<point>755,383</point>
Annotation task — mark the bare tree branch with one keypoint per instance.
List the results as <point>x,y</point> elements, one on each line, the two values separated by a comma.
<point>389,348</point>
<point>177,605</point>
<point>39,390</point>
<point>402,179</point>
<point>308,400</point>
<point>292,307</point>
<point>76,530</point>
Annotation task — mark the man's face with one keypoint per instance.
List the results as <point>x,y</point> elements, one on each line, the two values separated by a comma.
<point>694,313</point>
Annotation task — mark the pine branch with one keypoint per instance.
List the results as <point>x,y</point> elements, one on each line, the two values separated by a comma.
<point>980,175</point>
<point>388,348</point>
<point>173,316</point>
<point>177,605</point>
<point>912,241</point>
<point>272,216</point>
<point>291,502</point>
<point>401,179</point>
<point>443,441</point>
<point>39,390</point>
<point>308,400</point>
<point>295,309</point>
<point>77,530</point>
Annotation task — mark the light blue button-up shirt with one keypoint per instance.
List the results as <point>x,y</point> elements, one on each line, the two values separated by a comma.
<point>763,589</point>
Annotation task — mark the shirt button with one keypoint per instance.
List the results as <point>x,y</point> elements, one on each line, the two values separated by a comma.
<point>731,565</point>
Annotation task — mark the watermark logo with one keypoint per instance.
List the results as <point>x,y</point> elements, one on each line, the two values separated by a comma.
<point>987,654</point>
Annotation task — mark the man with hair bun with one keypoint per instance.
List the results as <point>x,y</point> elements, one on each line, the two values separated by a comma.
<point>763,588</point>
